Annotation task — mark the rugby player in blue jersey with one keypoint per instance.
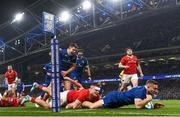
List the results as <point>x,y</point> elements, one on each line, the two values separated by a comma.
<point>139,96</point>
<point>82,65</point>
<point>68,62</point>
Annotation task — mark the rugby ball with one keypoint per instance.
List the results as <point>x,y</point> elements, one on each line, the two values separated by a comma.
<point>149,105</point>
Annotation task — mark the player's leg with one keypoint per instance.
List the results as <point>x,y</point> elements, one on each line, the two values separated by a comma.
<point>134,80</point>
<point>41,88</point>
<point>124,82</point>
<point>40,102</point>
<point>18,95</point>
<point>63,98</point>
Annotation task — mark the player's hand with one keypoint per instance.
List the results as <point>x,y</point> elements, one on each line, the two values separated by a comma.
<point>126,67</point>
<point>149,97</point>
<point>64,73</point>
<point>89,78</point>
<point>158,105</point>
<point>141,74</point>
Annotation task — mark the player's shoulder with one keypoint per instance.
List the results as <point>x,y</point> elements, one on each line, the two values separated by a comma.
<point>62,50</point>
<point>135,57</point>
<point>14,71</point>
<point>84,90</point>
<point>125,57</point>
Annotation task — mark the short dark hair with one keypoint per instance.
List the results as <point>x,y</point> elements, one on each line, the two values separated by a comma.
<point>128,48</point>
<point>152,82</point>
<point>73,45</point>
<point>80,50</point>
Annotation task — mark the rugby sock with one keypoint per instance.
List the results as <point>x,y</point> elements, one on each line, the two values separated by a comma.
<point>39,87</point>
<point>33,99</point>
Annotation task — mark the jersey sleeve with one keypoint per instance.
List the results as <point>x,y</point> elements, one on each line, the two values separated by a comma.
<point>123,60</point>
<point>15,73</point>
<point>140,94</point>
<point>86,62</point>
<point>6,75</point>
<point>74,60</point>
<point>83,95</point>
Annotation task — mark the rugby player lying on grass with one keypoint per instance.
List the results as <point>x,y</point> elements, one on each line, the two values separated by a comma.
<point>139,96</point>
<point>70,99</point>
<point>8,99</point>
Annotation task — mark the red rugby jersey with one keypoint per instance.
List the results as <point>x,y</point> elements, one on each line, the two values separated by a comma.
<point>130,61</point>
<point>11,76</point>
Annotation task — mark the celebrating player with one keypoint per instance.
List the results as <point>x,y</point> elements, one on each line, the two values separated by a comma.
<point>139,96</point>
<point>130,65</point>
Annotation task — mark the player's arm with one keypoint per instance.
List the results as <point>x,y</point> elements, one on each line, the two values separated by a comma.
<point>72,68</point>
<point>88,72</point>
<point>23,87</point>
<point>76,104</point>
<point>123,66</point>
<point>74,82</point>
<point>139,103</point>
<point>16,79</point>
<point>140,69</point>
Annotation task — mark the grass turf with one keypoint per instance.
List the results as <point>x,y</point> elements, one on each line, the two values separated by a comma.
<point>172,108</point>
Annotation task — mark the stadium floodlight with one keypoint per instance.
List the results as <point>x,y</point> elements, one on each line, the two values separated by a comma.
<point>86,5</point>
<point>18,17</point>
<point>65,16</point>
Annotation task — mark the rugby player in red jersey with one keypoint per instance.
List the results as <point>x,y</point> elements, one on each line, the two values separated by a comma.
<point>9,100</point>
<point>130,64</point>
<point>11,76</point>
<point>70,98</point>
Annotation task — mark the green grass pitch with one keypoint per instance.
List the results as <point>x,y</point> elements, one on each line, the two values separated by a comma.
<point>172,108</point>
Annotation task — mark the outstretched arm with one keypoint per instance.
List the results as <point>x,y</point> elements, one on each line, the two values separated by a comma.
<point>74,82</point>
<point>74,105</point>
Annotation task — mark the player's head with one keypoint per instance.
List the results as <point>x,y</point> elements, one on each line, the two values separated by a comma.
<point>80,53</point>
<point>9,67</point>
<point>152,87</point>
<point>94,90</point>
<point>129,51</point>
<point>73,47</point>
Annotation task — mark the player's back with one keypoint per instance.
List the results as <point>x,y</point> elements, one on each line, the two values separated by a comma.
<point>81,95</point>
<point>125,98</point>
<point>137,92</point>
